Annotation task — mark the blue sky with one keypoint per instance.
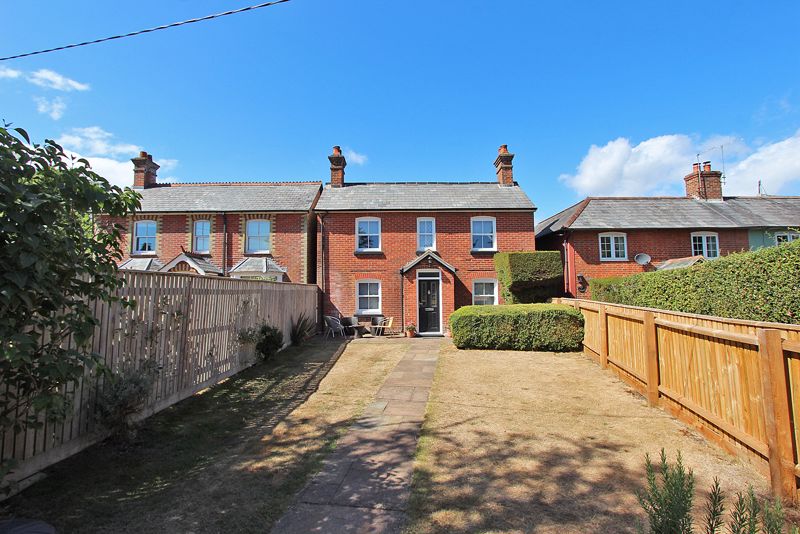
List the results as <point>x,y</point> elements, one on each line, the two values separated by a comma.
<point>600,98</point>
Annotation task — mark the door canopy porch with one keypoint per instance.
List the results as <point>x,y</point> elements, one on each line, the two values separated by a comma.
<point>427,258</point>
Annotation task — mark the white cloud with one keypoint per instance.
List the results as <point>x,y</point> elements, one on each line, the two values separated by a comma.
<point>657,165</point>
<point>53,80</point>
<point>5,72</point>
<point>95,141</point>
<point>55,107</point>
<point>354,157</point>
<point>107,158</point>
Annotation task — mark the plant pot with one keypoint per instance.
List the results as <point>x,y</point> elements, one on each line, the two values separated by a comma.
<point>410,333</point>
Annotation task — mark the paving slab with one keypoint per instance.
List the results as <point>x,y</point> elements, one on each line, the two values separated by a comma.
<point>365,484</point>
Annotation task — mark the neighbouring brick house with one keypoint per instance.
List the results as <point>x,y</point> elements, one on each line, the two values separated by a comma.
<point>240,229</point>
<point>417,251</point>
<point>601,237</point>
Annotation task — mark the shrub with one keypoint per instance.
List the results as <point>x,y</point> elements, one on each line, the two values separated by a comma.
<point>302,329</point>
<point>550,327</point>
<point>123,396</point>
<point>668,496</point>
<point>762,285</point>
<point>269,342</point>
<point>527,277</point>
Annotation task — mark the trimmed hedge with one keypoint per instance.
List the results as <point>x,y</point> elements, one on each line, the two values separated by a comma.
<point>527,277</point>
<point>548,327</point>
<point>762,285</point>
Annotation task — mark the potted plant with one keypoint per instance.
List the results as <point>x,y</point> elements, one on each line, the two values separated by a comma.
<point>411,330</point>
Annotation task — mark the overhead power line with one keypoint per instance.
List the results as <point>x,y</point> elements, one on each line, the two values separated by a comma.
<point>149,30</point>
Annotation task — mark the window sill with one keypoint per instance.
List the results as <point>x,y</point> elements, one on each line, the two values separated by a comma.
<point>368,252</point>
<point>143,254</point>
<point>261,253</point>
<point>613,259</point>
<point>483,250</point>
<point>368,312</point>
<point>424,250</point>
<point>204,254</point>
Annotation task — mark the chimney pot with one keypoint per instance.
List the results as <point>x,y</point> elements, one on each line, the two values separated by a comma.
<point>695,167</point>
<point>503,166</point>
<point>706,166</point>
<point>703,183</point>
<point>338,163</point>
<point>144,171</point>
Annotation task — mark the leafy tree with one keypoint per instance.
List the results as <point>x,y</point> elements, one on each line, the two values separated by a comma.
<point>54,261</point>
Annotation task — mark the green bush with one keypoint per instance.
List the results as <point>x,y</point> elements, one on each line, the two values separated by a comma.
<point>527,277</point>
<point>269,341</point>
<point>550,327</point>
<point>762,285</point>
<point>302,329</point>
<point>123,396</point>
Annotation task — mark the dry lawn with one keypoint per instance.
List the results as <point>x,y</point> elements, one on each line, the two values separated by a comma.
<point>546,443</point>
<point>229,460</point>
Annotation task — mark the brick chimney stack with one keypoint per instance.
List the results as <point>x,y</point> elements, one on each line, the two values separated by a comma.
<point>144,171</point>
<point>503,166</point>
<point>338,163</point>
<point>703,183</point>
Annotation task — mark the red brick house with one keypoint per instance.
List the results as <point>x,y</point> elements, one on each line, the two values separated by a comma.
<point>417,251</point>
<point>245,229</point>
<point>601,237</point>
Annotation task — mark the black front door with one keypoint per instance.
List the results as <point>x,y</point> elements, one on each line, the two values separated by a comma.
<point>428,305</point>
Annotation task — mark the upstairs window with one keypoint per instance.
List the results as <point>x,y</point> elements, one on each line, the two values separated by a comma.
<point>257,236</point>
<point>144,236</point>
<point>368,297</point>
<point>705,244</point>
<point>201,237</point>
<point>786,237</point>
<point>484,292</point>
<point>484,236</point>
<point>613,246</point>
<point>368,234</point>
<point>426,233</point>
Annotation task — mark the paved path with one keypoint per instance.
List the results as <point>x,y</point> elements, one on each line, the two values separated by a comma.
<point>365,483</point>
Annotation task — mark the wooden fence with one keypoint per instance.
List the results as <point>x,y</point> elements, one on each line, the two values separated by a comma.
<point>737,381</point>
<point>188,325</point>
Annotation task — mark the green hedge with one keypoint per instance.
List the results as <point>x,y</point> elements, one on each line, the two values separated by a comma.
<point>527,277</point>
<point>762,285</point>
<point>549,327</point>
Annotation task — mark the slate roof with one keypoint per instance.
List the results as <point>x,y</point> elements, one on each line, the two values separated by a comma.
<point>196,261</point>
<point>678,263</point>
<point>427,254</point>
<point>258,265</point>
<point>674,212</point>
<point>424,196</point>
<point>141,264</point>
<point>252,196</point>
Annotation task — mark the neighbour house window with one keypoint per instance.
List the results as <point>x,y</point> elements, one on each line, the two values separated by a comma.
<point>426,233</point>
<point>144,239</point>
<point>483,233</point>
<point>368,234</point>
<point>368,297</point>
<point>257,236</point>
<point>484,292</point>
<point>786,237</point>
<point>202,237</point>
<point>613,246</point>
<point>705,244</point>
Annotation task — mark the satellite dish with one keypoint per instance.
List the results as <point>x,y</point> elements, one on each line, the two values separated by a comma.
<point>642,258</point>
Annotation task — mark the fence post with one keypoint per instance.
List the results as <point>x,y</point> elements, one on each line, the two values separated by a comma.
<point>776,413</point>
<point>603,326</point>
<point>651,357</point>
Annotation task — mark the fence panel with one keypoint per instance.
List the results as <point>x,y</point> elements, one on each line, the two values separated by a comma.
<point>187,325</point>
<point>737,381</point>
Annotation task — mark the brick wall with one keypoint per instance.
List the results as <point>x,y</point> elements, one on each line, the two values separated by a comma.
<point>291,243</point>
<point>343,267</point>
<point>661,245</point>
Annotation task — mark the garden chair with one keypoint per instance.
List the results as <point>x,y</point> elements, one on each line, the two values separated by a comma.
<point>382,327</point>
<point>333,326</point>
